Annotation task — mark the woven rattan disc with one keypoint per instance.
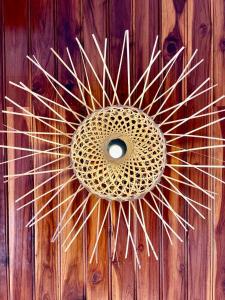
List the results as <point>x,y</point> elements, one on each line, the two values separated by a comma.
<point>129,176</point>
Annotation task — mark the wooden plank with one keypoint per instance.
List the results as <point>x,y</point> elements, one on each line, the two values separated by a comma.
<point>4,262</point>
<point>20,238</point>
<point>218,229</point>
<point>72,261</point>
<point>97,280</point>
<point>46,253</point>
<point>199,242</point>
<point>146,28</point>
<point>173,256</point>
<point>123,270</point>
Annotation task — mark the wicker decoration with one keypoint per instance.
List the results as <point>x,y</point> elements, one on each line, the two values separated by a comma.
<point>122,148</point>
<point>128,177</point>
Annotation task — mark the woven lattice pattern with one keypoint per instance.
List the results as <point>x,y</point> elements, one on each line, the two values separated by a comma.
<point>129,177</point>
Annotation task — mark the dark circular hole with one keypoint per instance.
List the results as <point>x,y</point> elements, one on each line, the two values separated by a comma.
<point>171,48</point>
<point>117,148</point>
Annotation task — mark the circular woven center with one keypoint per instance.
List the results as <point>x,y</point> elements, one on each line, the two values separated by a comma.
<point>118,153</point>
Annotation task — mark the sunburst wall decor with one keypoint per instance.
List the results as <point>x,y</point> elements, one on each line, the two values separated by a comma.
<point>118,150</point>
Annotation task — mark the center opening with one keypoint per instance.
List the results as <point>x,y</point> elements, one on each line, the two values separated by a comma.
<point>117,148</point>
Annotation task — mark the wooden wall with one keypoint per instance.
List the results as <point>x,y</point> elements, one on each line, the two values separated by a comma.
<point>31,267</point>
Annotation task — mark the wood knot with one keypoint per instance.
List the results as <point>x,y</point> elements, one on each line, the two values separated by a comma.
<point>203,29</point>
<point>222,45</point>
<point>38,87</point>
<point>4,260</point>
<point>172,48</point>
<point>115,262</point>
<point>96,277</point>
<point>69,85</point>
<point>171,45</point>
<point>179,5</point>
<point>182,268</point>
<point>140,248</point>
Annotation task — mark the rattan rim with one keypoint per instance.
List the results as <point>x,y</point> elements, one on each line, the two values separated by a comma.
<point>117,179</point>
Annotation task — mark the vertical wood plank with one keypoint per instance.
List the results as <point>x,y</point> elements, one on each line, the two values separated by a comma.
<point>173,256</point>
<point>72,262</point>
<point>97,280</point>
<point>16,69</point>
<point>123,270</point>
<point>46,253</point>
<point>199,242</point>
<point>146,28</point>
<point>4,266</point>
<point>218,272</point>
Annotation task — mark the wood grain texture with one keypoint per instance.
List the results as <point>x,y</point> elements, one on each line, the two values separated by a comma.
<point>20,242</point>
<point>123,270</point>
<point>47,258</point>
<point>218,241</point>
<point>69,22</point>
<point>146,28</point>
<point>4,262</point>
<point>200,35</point>
<point>97,276</point>
<point>173,270</point>
<point>31,267</point>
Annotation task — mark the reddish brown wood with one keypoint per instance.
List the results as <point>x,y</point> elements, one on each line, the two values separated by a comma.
<point>218,254</point>
<point>98,275</point>
<point>4,262</point>
<point>173,270</point>
<point>146,28</point>
<point>123,270</point>
<point>199,273</point>
<point>47,257</point>
<point>69,24</point>
<point>20,238</point>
